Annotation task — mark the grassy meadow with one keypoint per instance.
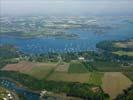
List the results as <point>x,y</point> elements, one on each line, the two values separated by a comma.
<point>121,53</point>
<point>3,93</point>
<point>77,67</point>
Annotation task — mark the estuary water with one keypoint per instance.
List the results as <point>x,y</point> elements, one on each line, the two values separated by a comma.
<point>88,37</point>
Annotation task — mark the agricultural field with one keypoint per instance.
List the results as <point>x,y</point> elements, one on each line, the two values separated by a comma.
<point>90,77</point>
<point>42,70</point>
<point>70,77</point>
<point>114,83</point>
<point>124,44</point>
<point>62,67</point>
<point>22,66</point>
<point>96,78</point>
<point>121,53</point>
<point>103,66</point>
<point>125,48</point>
<point>38,70</point>
<point>77,67</point>
<point>57,71</point>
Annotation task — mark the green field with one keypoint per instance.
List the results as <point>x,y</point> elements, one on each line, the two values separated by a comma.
<point>39,73</point>
<point>125,44</point>
<point>77,67</point>
<point>70,77</point>
<point>96,78</point>
<point>42,70</point>
<point>106,66</point>
<point>91,77</point>
<point>3,93</point>
<point>77,72</point>
<point>121,53</point>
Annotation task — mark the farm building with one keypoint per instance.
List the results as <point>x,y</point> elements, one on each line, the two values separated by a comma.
<point>81,58</point>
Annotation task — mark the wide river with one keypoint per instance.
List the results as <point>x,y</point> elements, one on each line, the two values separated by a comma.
<point>102,29</point>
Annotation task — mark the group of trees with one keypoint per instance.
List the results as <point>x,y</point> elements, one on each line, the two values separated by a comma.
<point>66,57</point>
<point>107,48</point>
<point>7,53</point>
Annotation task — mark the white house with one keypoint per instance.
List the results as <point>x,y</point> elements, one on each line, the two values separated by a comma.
<point>81,58</point>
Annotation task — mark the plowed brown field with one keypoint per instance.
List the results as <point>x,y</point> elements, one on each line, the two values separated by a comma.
<point>114,83</point>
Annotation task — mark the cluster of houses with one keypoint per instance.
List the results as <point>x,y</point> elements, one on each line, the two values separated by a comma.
<point>8,97</point>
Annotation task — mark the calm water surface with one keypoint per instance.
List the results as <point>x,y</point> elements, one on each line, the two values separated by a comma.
<point>119,29</point>
<point>12,86</point>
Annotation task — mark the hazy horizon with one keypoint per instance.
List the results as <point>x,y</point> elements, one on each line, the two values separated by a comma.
<point>66,7</point>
